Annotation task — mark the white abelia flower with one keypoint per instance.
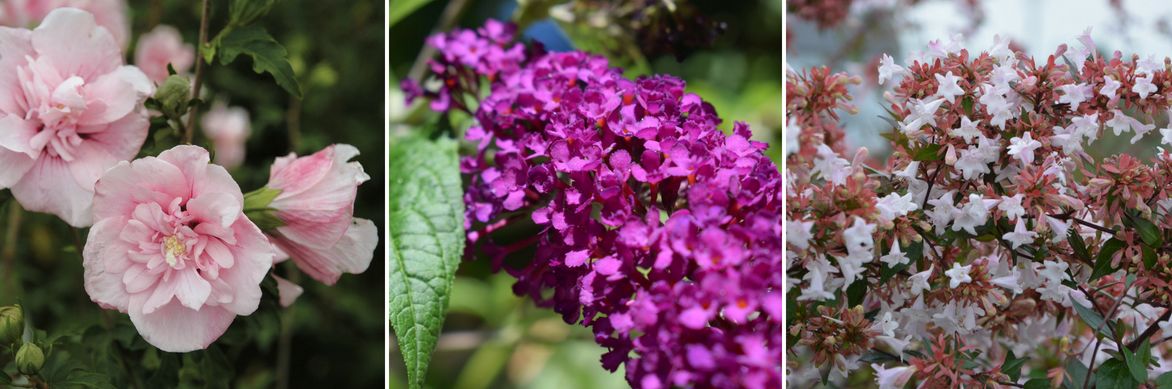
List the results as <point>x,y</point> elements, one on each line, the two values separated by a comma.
<point>958,275</point>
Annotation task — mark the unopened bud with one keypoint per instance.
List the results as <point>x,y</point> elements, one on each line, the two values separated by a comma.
<point>173,95</point>
<point>11,324</point>
<point>29,359</point>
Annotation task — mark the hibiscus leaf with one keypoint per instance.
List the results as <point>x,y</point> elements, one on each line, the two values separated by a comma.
<point>268,56</point>
<point>244,12</point>
<point>427,243</point>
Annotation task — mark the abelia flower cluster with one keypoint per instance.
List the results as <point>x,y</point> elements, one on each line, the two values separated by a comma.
<point>991,228</point>
<point>657,230</point>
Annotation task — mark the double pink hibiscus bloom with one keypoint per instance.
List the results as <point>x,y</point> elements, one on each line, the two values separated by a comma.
<point>69,110</point>
<point>171,244</point>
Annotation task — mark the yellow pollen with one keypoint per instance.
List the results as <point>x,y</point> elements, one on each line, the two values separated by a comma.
<point>173,249</point>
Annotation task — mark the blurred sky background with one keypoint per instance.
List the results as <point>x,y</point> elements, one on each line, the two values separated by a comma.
<point>897,28</point>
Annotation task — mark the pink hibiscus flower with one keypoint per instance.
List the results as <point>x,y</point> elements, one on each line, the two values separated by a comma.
<point>69,110</point>
<point>110,14</point>
<point>228,128</point>
<point>173,248</point>
<point>161,47</point>
<point>316,207</point>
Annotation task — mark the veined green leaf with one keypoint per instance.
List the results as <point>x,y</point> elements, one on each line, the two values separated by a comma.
<point>426,245</point>
<point>268,56</point>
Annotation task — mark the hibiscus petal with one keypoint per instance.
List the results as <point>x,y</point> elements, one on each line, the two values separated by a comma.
<point>215,207</point>
<point>16,134</point>
<point>352,254</point>
<point>75,44</point>
<point>253,257</point>
<point>160,296</point>
<point>176,328</point>
<point>220,253</point>
<point>50,187</point>
<point>191,289</point>
<point>15,166</point>
<point>103,286</point>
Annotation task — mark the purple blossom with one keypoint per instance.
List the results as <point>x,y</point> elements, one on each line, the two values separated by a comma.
<point>658,231</point>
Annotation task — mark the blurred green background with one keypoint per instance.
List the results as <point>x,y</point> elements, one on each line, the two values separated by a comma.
<point>492,338</point>
<point>335,336</point>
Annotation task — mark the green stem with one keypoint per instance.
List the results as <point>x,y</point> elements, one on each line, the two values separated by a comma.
<point>189,131</point>
<point>285,342</point>
<point>9,280</point>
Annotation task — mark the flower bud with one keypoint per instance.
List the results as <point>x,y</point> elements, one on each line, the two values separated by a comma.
<point>11,324</point>
<point>29,358</point>
<point>173,95</point>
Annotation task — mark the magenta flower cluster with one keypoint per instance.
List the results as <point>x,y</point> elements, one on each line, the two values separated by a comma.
<point>658,231</point>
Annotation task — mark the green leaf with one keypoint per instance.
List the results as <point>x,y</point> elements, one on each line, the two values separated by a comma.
<point>86,379</point>
<point>1037,383</point>
<point>401,8</point>
<point>1012,366</point>
<point>928,153</point>
<point>1164,381</point>
<point>427,242</point>
<point>244,12</point>
<point>1136,366</point>
<point>1077,373</point>
<point>1092,319</point>
<point>1114,374</point>
<point>1150,234</point>
<point>967,104</point>
<point>1145,353</point>
<point>1103,263</point>
<point>1079,246</point>
<point>267,55</point>
<point>1149,256</point>
<point>856,292</point>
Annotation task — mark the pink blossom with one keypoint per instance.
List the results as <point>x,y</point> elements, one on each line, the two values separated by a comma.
<point>228,128</point>
<point>110,14</point>
<point>69,110</point>
<point>316,207</point>
<point>161,47</point>
<point>173,248</point>
<point>287,291</point>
